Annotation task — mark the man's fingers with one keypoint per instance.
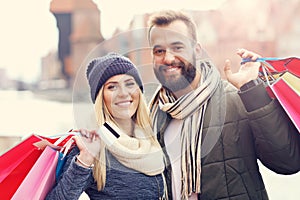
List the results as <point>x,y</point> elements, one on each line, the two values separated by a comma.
<point>243,53</point>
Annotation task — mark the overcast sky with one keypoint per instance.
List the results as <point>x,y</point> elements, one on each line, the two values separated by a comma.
<point>29,32</point>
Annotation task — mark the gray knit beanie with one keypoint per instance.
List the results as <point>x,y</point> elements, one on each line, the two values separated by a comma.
<point>100,69</point>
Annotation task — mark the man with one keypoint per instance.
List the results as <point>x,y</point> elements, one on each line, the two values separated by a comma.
<point>213,133</point>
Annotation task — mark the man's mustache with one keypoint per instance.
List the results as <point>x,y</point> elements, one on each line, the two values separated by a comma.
<point>177,64</point>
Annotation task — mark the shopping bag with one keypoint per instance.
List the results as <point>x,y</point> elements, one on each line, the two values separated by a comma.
<point>283,78</point>
<point>289,99</point>
<point>18,161</point>
<point>60,165</point>
<point>62,156</point>
<point>292,81</point>
<point>40,178</point>
<point>280,65</point>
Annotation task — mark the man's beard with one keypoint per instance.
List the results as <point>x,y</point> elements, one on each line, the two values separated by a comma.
<point>188,73</point>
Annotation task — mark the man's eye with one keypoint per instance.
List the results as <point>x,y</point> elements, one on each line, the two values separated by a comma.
<point>177,48</point>
<point>159,52</point>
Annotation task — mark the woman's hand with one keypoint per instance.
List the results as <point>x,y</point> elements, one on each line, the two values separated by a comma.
<point>247,72</point>
<point>88,143</point>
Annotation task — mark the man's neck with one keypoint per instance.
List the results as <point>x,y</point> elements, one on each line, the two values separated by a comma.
<point>194,84</point>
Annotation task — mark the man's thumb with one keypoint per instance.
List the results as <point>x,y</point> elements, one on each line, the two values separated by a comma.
<point>227,69</point>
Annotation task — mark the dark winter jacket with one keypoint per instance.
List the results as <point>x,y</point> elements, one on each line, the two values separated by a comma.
<point>240,128</point>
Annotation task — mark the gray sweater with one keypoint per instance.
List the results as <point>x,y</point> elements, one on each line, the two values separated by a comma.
<point>121,182</point>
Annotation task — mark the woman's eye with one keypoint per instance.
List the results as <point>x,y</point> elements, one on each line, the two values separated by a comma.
<point>130,84</point>
<point>111,87</point>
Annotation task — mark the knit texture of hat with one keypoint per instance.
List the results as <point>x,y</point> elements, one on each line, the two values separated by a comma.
<point>100,69</point>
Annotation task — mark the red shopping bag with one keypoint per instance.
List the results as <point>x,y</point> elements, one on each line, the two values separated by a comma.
<point>41,177</point>
<point>289,99</point>
<point>280,65</point>
<point>18,161</point>
<point>283,78</point>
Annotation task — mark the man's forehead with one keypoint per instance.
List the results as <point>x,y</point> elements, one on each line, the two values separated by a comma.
<point>169,34</point>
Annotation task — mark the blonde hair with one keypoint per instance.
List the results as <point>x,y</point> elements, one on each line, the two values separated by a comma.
<point>141,118</point>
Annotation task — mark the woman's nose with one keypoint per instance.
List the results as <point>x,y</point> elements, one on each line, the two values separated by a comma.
<point>123,91</point>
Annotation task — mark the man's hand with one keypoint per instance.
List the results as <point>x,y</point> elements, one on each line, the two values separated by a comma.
<point>247,71</point>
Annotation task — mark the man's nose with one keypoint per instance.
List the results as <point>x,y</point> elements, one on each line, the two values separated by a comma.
<point>169,57</point>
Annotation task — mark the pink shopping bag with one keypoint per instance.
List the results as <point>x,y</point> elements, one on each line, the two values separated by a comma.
<point>289,99</point>
<point>282,76</point>
<point>40,178</point>
<point>18,161</point>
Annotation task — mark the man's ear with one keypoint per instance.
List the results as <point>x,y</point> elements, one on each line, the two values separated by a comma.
<point>198,50</point>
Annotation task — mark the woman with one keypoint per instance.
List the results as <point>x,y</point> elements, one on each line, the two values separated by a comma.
<point>125,164</point>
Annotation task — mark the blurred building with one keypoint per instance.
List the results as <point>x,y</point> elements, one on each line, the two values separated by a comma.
<point>3,79</point>
<point>78,23</point>
<point>269,27</point>
<point>51,73</point>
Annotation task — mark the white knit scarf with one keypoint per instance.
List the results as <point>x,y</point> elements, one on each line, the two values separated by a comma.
<point>140,152</point>
<point>191,109</point>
